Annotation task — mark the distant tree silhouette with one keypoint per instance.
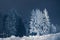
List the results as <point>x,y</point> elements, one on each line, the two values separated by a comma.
<point>12,25</point>
<point>21,31</point>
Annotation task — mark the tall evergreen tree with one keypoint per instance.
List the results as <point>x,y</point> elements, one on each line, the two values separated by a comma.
<point>40,23</point>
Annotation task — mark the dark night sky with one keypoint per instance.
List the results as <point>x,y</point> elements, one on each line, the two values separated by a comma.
<point>24,7</point>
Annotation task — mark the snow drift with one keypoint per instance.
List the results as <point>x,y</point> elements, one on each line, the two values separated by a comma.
<point>44,37</point>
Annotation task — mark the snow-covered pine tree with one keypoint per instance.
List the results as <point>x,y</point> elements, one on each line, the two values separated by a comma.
<point>40,23</point>
<point>50,26</point>
<point>32,23</point>
<point>46,26</point>
<point>10,23</point>
<point>36,22</point>
<point>53,28</point>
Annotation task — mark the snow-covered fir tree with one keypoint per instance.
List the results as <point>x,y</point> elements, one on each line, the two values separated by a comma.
<point>40,23</point>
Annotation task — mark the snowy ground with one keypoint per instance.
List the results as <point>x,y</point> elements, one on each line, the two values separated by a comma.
<point>44,37</point>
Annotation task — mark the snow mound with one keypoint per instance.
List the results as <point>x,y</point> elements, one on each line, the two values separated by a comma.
<point>44,37</point>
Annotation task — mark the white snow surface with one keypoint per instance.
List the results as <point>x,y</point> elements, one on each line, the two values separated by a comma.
<point>43,37</point>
